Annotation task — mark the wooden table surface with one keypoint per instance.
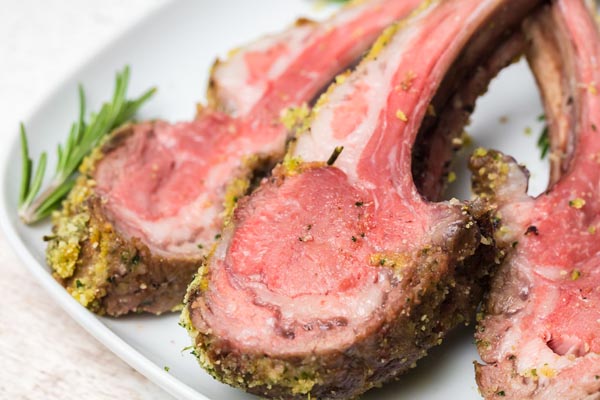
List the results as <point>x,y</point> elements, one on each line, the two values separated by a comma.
<point>43,353</point>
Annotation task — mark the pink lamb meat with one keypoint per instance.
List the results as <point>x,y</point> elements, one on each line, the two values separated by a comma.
<point>539,337</point>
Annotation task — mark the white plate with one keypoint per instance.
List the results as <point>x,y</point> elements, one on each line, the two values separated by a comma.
<point>173,49</point>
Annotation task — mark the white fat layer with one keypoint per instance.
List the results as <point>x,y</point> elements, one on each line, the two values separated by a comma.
<point>537,359</point>
<point>232,77</point>
<point>353,306</point>
<point>176,235</point>
<point>233,80</point>
<point>375,80</point>
<point>360,308</point>
<point>536,355</point>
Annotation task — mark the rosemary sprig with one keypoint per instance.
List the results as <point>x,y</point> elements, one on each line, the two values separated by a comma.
<point>543,142</point>
<point>334,156</point>
<point>82,139</point>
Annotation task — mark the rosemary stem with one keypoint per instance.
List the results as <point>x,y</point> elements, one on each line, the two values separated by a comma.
<point>29,212</point>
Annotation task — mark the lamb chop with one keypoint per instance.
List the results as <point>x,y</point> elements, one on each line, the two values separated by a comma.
<point>154,197</point>
<point>539,334</point>
<point>336,275</point>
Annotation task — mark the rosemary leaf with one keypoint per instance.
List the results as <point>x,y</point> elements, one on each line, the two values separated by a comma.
<point>544,143</point>
<point>81,120</point>
<point>26,167</point>
<point>38,178</point>
<point>132,106</point>
<point>55,199</point>
<point>81,140</point>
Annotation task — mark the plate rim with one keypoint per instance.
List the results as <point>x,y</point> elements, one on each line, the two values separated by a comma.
<point>83,317</point>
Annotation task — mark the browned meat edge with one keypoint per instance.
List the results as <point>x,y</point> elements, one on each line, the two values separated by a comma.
<point>102,269</point>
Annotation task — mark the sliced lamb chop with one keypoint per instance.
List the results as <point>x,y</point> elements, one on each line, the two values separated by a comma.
<point>154,197</point>
<point>539,336</point>
<point>336,275</point>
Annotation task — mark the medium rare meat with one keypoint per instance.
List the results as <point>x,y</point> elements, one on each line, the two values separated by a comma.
<point>288,68</point>
<point>539,337</point>
<point>336,275</point>
<point>154,197</point>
